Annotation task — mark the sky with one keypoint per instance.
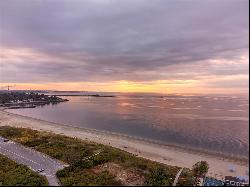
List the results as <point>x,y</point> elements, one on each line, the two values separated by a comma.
<point>163,46</point>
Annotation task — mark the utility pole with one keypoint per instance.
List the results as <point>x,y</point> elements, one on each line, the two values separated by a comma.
<point>8,87</point>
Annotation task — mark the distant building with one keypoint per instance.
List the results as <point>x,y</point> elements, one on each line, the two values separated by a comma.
<point>234,181</point>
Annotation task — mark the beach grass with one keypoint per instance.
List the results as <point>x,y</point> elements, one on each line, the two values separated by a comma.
<point>13,174</point>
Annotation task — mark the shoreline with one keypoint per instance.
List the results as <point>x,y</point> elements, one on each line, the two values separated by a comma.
<point>235,159</point>
<point>152,150</point>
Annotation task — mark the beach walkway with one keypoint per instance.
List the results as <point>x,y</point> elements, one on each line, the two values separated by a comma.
<point>35,160</point>
<point>177,177</point>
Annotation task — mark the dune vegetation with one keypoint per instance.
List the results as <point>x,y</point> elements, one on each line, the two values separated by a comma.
<point>95,164</point>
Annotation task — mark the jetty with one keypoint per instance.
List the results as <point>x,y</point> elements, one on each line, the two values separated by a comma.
<point>82,95</point>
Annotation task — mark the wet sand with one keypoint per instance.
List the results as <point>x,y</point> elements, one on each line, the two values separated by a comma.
<point>170,155</point>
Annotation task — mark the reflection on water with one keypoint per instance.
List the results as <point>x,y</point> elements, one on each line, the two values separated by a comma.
<point>212,123</point>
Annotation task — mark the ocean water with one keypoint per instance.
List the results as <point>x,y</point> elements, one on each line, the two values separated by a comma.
<point>217,124</point>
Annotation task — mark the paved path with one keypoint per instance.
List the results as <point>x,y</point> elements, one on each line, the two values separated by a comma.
<point>95,154</point>
<point>177,177</point>
<point>33,159</point>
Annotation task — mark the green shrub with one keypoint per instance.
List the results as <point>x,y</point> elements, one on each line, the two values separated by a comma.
<point>12,174</point>
<point>62,173</point>
<point>159,177</point>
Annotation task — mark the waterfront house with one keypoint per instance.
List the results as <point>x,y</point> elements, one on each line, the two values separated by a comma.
<point>234,181</point>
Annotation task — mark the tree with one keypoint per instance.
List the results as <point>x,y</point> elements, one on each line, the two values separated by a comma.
<point>200,168</point>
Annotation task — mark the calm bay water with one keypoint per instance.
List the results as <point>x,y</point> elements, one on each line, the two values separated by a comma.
<point>218,124</point>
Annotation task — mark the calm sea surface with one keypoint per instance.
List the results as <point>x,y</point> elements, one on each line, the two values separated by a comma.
<point>217,124</point>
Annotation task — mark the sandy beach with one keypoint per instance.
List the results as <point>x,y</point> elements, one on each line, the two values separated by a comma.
<point>219,166</point>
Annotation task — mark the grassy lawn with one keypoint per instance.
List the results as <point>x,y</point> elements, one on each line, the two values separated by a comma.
<point>111,167</point>
<point>12,174</point>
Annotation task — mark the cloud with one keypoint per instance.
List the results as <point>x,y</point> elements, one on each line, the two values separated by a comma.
<point>122,40</point>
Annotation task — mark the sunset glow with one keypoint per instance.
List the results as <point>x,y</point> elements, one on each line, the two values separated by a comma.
<point>131,52</point>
